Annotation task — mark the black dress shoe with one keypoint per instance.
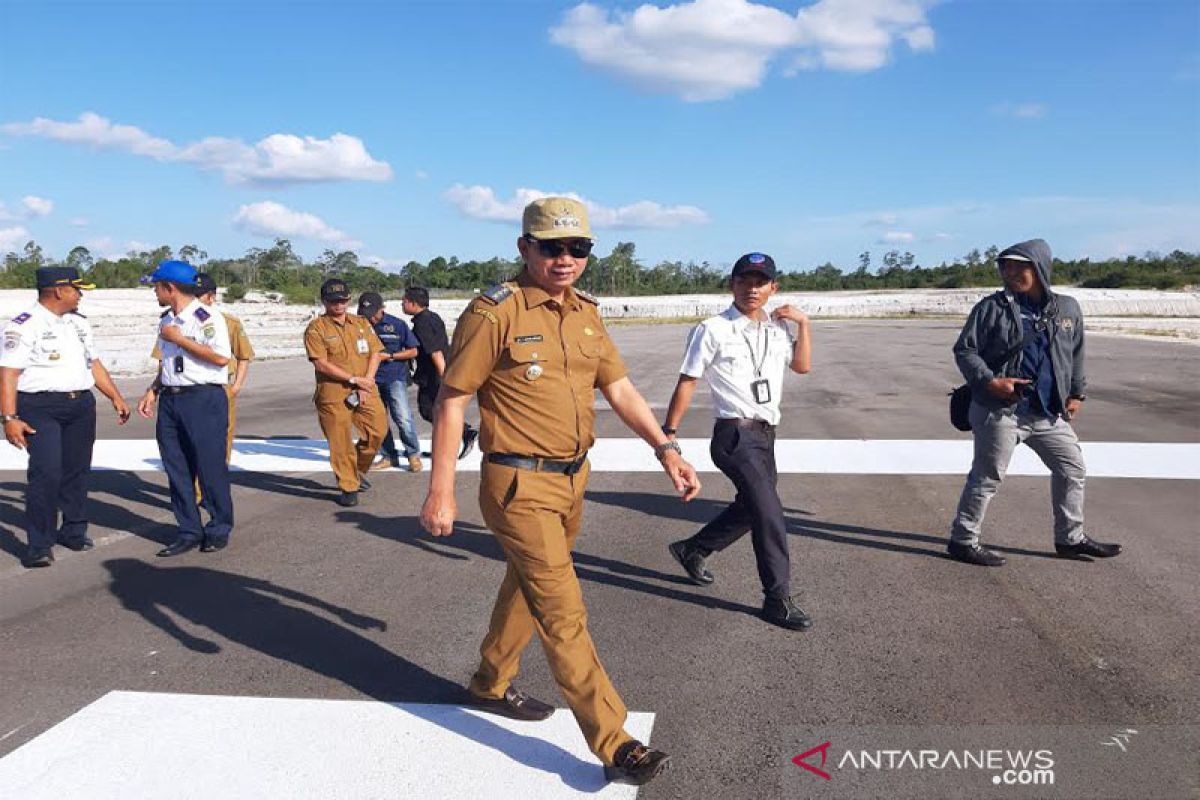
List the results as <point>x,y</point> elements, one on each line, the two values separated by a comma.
<point>363,483</point>
<point>79,545</point>
<point>178,547</point>
<point>974,554</point>
<point>213,545</point>
<point>468,442</point>
<point>347,499</point>
<point>692,562</point>
<point>514,705</point>
<point>637,764</point>
<point>39,557</point>
<point>784,612</point>
<point>1087,547</point>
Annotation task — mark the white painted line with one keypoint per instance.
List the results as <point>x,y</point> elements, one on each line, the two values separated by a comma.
<point>1170,461</point>
<point>149,745</point>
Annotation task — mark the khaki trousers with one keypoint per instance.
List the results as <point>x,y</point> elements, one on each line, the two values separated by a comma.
<point>348,458</point>
<point>536,517</point>
<point>228,441</point>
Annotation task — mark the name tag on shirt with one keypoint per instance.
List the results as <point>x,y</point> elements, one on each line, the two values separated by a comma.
<point>362,347</point>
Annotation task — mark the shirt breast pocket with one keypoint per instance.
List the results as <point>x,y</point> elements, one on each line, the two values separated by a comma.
<point>732,354</point>
<point>519,355</point>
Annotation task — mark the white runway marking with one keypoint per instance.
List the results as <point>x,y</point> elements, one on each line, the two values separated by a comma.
<point>1177,461</point>
<point>149,745</point>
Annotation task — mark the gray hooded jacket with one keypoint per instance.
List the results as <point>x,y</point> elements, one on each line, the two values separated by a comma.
<point>993,329</point>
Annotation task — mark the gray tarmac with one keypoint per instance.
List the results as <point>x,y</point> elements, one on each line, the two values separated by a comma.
<point>905,640</point>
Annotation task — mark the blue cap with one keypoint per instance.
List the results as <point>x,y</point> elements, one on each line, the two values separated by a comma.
<point>174,271</point>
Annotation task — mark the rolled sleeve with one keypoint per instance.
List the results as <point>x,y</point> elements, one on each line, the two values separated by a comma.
<point>475,351</point>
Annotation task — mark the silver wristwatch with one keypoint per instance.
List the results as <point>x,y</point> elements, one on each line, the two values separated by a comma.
<point>661,449</point>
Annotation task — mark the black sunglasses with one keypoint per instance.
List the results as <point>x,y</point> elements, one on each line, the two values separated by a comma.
<point>553,248</point>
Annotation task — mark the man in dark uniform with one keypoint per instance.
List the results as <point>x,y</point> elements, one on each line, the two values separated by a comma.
<point>400,348</point>
<point>535,351</point>
<point>431,359</point>
<point>193,420</point>
<point>47,370</point>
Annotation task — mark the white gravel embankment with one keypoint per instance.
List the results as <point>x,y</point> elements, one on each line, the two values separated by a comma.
<point>124,319</point>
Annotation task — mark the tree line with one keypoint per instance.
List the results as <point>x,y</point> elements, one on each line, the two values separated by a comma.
<point>280,269</point>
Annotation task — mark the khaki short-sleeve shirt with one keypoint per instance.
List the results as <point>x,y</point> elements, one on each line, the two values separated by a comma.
<point>535,365</point>
<point>350,345</point>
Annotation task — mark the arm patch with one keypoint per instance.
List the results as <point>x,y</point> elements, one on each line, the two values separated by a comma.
<point>21,318</point>
<point>497,294</point>
<point>202,315</point>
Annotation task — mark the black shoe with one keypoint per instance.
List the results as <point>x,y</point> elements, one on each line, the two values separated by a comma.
<point>468,442</point>
<point>347,499</point>
<point>37,557</point>
<point>637,764</point>
<point>784,612</point>
<point>1087,547</point>
<point>178,547</point>
<point>515,705</point>
<point>363,483</point>
<point>79,545</point>
<point>213,545</point>
<point>692,562</point>
<point>974,554</point>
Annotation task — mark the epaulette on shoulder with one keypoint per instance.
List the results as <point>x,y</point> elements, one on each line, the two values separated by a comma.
<point>585,296</point>
<point>202,315</point>
<point>21,318</point>
<point>497,294</point>
<point>76,313</point>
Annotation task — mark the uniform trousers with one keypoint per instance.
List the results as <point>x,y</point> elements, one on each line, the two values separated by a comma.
<point>350,459</point>
<point>536,517</point>
<point>191,430</point>
<point>997,434</point>
<point>60,460</point>
<point>745,451</point>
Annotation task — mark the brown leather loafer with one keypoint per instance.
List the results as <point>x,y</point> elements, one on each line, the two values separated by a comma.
<point>514,705</point>
<point>637,764</point>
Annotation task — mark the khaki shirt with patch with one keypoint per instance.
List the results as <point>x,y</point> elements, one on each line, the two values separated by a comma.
<point>339,344</point>
<point>535,366</point>
<point>239,342</point>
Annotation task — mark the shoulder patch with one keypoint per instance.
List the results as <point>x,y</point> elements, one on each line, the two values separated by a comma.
<point>20,318</point>
<point>497,294</point>
<point>202,315</point>
<point>488,315</point>
<point>585,296</point>
<point>164,314</point>
<point>76,313</point>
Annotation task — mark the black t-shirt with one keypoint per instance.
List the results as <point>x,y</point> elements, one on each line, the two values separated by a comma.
<point>431,333</point>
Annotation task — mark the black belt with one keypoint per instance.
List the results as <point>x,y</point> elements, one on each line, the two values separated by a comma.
<point>195,387</point>
<point>743,422</point>
<point>59,395</point>
<point>537,464</point>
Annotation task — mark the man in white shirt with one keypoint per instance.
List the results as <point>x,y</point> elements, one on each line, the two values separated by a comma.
<point>193,419</point>
<point>48,367</point>
<point>744,353</point>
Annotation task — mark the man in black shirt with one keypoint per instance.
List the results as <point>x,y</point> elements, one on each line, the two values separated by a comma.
<point>431,358</point>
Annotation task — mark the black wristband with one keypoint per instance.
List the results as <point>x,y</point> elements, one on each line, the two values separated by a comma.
<point>669,431</point>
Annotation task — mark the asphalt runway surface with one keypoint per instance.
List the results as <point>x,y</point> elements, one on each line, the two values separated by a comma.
<point>905,640</point>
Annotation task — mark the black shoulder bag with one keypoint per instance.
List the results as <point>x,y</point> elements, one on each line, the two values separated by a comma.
<point>960,397</point>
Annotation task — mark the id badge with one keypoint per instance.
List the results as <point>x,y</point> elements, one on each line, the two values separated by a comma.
<point>362,347</point>
<point>761,389</point>
<point>178,362</point>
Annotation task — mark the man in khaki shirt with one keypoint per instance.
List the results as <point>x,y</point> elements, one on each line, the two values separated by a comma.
<point>534,351</point>
<point>345,352</point>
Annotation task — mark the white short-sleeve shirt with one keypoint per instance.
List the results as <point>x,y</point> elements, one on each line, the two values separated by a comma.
<point>732,352</point>
<point>54,353</point>
<point>200,324</point>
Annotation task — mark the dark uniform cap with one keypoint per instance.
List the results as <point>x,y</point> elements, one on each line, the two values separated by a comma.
<point>205,283</point>
<point>369,303</point>
<point>755,262</point>
<point>335,289</point>
<point>61,276</point>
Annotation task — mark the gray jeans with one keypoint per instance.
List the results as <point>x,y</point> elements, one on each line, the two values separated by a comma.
<point>997,434</point>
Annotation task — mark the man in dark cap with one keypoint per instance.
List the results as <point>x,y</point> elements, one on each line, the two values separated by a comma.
<point>47,370</point>
<point>400,348</point>
<point>1021,351</point>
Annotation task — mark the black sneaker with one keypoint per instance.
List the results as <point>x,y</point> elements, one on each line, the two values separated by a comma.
<point>347,499</point>
<point>692,562</point>
<point>784,612</point>
<point>468,442</point>
<point>974,554</point>
<point>363,483</point>
<point>637,764</point>
<point>37,557</point>
<point>1087,547</point>
<point>79,545</point>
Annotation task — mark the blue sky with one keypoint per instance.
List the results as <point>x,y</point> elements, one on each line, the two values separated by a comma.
<point>698,130</point>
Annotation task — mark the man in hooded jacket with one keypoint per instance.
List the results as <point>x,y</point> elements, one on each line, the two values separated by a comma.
<point>1021,350</point>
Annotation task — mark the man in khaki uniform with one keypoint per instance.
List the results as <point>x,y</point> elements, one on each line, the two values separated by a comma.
<point>534,351</point>
<point>345,352</point>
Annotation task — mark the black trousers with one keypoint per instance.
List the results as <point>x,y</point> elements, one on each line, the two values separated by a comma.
<point>191,430</point>
<point>60,460</point>
<point>746,454</point>
<point>427,392</point>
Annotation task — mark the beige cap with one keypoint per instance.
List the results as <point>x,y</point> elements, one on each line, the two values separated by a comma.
<point>556,218</point>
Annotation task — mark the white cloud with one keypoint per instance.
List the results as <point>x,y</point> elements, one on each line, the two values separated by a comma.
<point>37,206</point>
<point>276,159</point>
<point>897,237</point>
<point>107,247</point>
<point>1021,110</point>
<point>13,238</point>
<point>480,202</point>
<point>884,219</point>
<point>712,49</point>
<point>421,175</point>
<point>273,219</point>
<point>79,222</point>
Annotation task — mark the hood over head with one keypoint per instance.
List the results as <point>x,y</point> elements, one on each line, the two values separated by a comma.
<point>1034,250</point>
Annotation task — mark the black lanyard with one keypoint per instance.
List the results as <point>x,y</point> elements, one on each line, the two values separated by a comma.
<point>758,367</point>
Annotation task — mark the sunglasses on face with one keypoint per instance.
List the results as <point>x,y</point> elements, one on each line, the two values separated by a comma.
<point>553,248</point>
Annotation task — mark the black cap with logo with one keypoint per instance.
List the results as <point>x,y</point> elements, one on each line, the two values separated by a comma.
<point>335,289</point>
<point>755,262</point>
<point>369,303</point>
